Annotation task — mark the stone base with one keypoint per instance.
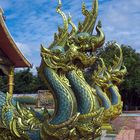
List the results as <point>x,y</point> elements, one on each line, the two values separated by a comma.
<point>108,136</point>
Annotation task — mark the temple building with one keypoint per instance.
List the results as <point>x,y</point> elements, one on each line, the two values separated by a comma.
<point>10,55</point>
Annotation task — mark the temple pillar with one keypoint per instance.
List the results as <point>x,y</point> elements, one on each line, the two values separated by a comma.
<point>11,81</point>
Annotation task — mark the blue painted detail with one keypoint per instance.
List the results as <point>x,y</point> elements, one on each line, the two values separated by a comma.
<point>34,135</point>
<point>14,102</point>
<point>83,95</point>
<point>114,95</point>
<point>64,95</point>
<point>2,102</point>
<point>7,115</point>
<point>106,102</point>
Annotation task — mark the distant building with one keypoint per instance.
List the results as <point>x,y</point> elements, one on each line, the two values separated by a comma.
<point>45,98</point>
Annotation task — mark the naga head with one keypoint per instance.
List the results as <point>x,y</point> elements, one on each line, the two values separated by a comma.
<point>75,47</point>
<point>86,42</point>
<point>114,73</point>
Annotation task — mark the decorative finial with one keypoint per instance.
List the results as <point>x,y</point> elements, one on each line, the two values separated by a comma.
<point>59,2</point>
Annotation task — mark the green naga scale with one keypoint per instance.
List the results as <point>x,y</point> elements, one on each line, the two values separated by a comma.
<point>81,109</point>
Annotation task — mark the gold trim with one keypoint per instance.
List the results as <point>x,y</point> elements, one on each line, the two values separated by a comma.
<point>11,81</point>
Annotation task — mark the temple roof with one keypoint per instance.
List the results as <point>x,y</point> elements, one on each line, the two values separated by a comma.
<point>9,47</point>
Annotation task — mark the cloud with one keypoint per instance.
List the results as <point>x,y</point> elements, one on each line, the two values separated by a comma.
<point>34,22</point>
<point>30,53</point>
<point>24,48</point>
<point>5,4</point>
<point>121,21</point>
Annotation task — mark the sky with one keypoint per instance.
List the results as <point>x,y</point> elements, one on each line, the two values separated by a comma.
<point>34,22</point>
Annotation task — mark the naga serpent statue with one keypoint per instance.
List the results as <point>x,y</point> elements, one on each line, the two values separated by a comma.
<point>81,108</point>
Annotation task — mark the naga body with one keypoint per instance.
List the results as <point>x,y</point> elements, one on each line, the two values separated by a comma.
<point>80,108</point>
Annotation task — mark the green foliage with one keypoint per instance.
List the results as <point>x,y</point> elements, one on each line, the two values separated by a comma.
<point>24,82</point>
<point>3,84</point>
<point>130,88</point>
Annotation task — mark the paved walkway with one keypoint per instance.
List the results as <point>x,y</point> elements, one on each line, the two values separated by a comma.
<point>128,127</point>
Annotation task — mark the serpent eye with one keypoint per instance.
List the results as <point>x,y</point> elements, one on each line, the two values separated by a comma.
<point>80,38</point>
<point>93,40</point>
<point>58,49</point>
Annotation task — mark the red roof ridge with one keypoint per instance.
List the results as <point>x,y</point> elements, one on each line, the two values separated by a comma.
<point>25,62</point>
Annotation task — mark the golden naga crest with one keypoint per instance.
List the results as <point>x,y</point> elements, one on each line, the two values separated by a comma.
<point>67,58</point>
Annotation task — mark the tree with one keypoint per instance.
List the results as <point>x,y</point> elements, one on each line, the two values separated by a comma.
<point>24,82</point>
<point>130,88</point>
<point>3,83</point>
